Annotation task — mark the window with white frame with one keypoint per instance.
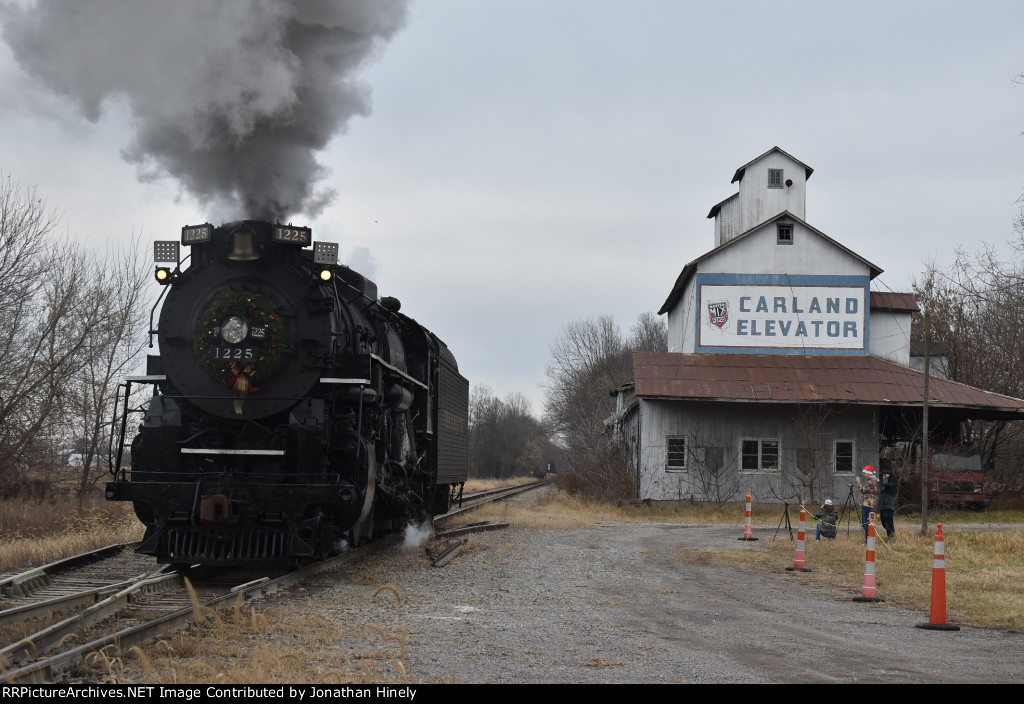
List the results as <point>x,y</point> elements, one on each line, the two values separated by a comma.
<point>676,454</point>
<point>844,456</point>
<point>774,178</point>
<point>785,233</point>
<point>759,455</point>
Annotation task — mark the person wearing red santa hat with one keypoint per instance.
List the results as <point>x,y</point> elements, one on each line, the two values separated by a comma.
<point>868,496</point>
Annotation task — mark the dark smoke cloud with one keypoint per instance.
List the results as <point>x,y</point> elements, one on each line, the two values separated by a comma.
<point>233,98</point>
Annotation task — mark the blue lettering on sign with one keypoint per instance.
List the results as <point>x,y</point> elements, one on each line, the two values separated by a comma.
<point>762,305</point>
<point>780,304</point>
<point>815,306</point>
<point>796,308</point>
<point>783,328</point>
<point>851,305</point>
<point>744,307</point>
<point>832,305</point>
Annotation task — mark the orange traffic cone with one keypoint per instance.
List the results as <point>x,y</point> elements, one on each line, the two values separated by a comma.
<point>937,614</point>
<point>798,559</point>
<point>869,593</point>
<point>748,530</point>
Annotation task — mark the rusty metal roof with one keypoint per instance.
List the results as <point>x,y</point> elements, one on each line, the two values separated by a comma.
<point>890,300</point>
<point>806,379</point>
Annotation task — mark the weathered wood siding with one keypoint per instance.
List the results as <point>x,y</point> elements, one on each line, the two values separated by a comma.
<point>714,432</point>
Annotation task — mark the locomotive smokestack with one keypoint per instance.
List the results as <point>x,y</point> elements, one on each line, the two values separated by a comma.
<point>232,99</point>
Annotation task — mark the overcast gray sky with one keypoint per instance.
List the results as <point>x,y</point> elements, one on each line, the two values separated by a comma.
<point>530,162</point>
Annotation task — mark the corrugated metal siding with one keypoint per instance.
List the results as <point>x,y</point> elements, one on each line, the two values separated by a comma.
<point>452,425</point>
<point>890,335</point>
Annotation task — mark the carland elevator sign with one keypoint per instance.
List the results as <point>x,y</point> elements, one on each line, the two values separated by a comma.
<point>782,314</point>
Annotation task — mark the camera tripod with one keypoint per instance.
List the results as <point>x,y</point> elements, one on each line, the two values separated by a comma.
<point>851,504</point>
<point>784,519</point>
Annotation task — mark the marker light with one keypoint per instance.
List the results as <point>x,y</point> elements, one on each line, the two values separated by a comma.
<point>166,251</point>
<point>325,253</point>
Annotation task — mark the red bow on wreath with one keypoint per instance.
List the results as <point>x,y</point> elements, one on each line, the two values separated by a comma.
<point>241,382</point>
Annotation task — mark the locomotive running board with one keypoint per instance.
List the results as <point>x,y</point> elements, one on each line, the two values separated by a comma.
<point>398,371</point>
<point>205,451</point>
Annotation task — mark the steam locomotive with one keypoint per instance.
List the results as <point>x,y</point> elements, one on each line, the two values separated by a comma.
<point>292,412</point>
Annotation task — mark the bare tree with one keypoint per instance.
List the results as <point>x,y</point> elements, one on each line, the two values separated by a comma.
<point>976,310</point>
<point>648,334</point>
<point>33,298</point>
<point>716,478</point>
<point>589,359</point>
<point>113,349</point>
<point>505,439</point>
<point>809,469</point>
<point>59,306</point>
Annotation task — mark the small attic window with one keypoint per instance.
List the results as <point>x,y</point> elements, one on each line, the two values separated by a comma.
<point>774,178</point>
<point>785,233</point>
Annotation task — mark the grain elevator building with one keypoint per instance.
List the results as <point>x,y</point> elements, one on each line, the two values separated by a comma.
<point>785,371</point>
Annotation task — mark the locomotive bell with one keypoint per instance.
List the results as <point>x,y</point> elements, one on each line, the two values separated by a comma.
<point>244,249</point>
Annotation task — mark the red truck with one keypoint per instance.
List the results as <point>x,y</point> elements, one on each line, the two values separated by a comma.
<point>955,476</point>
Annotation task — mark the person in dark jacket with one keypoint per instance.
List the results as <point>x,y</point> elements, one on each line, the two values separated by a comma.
<point>887,504</point>
<point>829,521</point>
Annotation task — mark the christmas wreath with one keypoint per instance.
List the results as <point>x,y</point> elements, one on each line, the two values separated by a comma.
<point>267,332</point>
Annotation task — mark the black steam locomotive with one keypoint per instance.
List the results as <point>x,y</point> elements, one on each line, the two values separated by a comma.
<point>293,412</point>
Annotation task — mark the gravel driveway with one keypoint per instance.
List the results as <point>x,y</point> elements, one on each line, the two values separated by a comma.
<point>636,603</point>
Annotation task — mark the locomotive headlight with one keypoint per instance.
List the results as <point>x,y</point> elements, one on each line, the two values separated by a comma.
<point>163,275</point>
<point>234,330</point>
<point>325,274</point>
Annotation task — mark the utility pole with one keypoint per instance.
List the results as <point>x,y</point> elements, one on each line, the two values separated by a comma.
<point>925,456</point>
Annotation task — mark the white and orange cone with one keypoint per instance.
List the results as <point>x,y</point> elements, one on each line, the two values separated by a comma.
<point>937,613</point>
<point>798,558</point>
<point>869,593</point>
<point>748,530</point>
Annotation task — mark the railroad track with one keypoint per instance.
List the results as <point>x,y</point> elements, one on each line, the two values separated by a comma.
<point>34,600</point>
<point>140,609</point>
<point>477,499</point>
<point>113,598</point>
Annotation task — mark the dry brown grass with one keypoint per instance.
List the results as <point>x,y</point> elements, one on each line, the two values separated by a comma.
<point>34,533</point>
<point>558,510</point>
<point>234,646</point>
<point>984,568</point>
<point>985,562</point>
<point>554,511</point>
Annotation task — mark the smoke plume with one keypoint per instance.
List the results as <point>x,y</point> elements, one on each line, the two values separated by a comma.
<point>232,98</point>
